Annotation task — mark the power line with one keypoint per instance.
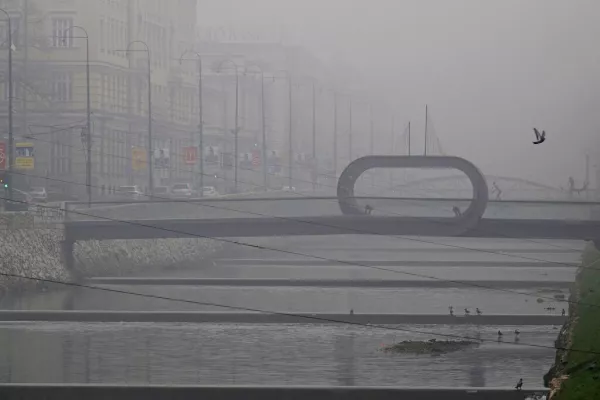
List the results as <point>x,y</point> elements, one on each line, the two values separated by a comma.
<point>465,283</point>
<point>388,212</point>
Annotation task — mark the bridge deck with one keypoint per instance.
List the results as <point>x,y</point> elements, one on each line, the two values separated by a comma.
<point>280,318</point>
<point>171,392</point>
<point>327,225</point>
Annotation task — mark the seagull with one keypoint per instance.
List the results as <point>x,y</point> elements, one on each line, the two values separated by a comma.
<point>519,384</point>
<point>517,332</point>
<point>499,333</point>
<point>467,312</point>
<point>478,311</point>
<point>539,138</point>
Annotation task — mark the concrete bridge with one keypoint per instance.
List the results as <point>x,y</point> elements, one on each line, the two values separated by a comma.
<point>344,214</point>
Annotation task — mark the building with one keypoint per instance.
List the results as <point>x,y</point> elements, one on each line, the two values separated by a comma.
<point>50,88</point>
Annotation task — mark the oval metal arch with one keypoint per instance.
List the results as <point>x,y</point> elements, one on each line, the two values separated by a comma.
<point>469,218</point>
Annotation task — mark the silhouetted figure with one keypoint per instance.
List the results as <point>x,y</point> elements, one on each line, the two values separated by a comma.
<point>563,312</point>
<point>451,309</point>
<point>351,311</point>
<point>478,311</point>
<point>517,332</point>
<point>457,212</point>
<point>519,384</point>
<point>368,209</point>
<point>499,334</point>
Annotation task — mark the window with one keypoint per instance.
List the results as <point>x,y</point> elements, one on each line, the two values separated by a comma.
<point>62,87</point>
<point>60,27</point>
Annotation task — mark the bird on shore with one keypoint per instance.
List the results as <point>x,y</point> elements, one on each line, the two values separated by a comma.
<point>478,311</point>
<point>517,332</point>
<point>467,312</point>
<point>499,334</point>
<point>519,384</point>
<point>451,309</point>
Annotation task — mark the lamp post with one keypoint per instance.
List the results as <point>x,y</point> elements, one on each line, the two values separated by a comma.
<point>200,115</point>
<point>263,126</point>
<point>88,165</point>
<point>150,152</point>
<point>236,131</point>
<point>11,139</point>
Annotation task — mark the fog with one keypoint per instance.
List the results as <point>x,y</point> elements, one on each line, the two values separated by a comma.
<point>490,71</point>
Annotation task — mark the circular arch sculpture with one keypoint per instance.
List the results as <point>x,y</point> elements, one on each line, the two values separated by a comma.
<point>469,218</point>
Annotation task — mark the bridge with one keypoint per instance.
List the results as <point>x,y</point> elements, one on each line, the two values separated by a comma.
<point>343,214</point>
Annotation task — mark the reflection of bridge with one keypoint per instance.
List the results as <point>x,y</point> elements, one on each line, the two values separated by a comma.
<point>345,214</point>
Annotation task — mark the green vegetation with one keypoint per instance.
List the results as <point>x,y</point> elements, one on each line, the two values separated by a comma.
<point>582,368</point>
<point>430,347</point>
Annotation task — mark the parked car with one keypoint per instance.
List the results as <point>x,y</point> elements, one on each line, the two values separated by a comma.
<point>130,192</point>
<point>21,200</point>
<point>183,190</point>
<point>39,194</point>
<point>209,191</point>
<point>161,192</point>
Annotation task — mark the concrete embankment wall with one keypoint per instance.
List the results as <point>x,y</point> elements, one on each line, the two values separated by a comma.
<point>34,249</point>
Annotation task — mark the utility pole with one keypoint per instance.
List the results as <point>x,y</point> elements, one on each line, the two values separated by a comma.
<point>264,130</point>
<point>291,147</point>
<point>11,158</point>
<point>314,135</point>
<point>350,134</point>
<point>393,147</point>
<point>426,119</point>
<point>371,140</point>
<point>409,138</point>
<point>88,136</point>
<point>200,127</point>
<point>335,133</point>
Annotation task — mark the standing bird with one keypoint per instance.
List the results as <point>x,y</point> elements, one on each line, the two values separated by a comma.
<point>517,332</point>
<point>451,309</point>
<point>478,311</point>
<point>519,384</point>
<point>539,137</point>
<point>467,312</point>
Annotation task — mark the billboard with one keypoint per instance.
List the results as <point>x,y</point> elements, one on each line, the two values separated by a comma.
<point>24,156</point>
<point>190,155</point>
<point>138,158</point>
<point>162,159</point>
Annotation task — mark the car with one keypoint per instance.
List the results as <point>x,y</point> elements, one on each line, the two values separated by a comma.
<point>161,192</point>
<point>288,189</point>
<point>21,201</point>
<point>182,190</point>
<point>130,192</point>
<point>209,191</point>
<point>39,194</point>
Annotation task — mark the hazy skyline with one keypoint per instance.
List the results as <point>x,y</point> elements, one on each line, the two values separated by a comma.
<point>490,71</point>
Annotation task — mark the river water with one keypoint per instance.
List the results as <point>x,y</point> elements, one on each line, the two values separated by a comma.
<point>302,354</point>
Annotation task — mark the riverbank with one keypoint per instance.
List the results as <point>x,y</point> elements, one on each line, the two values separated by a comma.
<point>576,374</point>
<point>34,249</point>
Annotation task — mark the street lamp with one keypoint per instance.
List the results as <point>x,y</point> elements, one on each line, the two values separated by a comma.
<point>10,108</point>
<point>88,165</point>
<point>150,152</point>
<point>200,114</point>
<point>263,125</point>
<point>236,131</point>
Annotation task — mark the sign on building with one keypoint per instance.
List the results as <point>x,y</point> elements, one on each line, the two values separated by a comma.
<point>161,158</point>
<point>3,155</point>
<point>190,155</point>
<point>211,154</point>
<point>24,156</point>
<point>138,158</point>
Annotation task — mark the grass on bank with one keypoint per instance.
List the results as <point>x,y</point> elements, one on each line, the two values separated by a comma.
<point>582,368</point>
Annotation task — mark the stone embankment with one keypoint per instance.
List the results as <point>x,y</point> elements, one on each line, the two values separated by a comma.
<point>34,249</point>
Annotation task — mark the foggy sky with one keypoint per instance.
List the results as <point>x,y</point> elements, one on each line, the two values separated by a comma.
<point>489,70</point>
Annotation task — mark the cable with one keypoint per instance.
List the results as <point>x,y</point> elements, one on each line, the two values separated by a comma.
<point>135,223</point>
<point>309,317</point>
<point>257,185</point>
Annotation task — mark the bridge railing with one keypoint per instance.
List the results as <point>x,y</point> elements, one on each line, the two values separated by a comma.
<point>290,205</point>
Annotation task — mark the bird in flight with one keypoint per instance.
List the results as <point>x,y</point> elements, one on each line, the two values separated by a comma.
<point>539,137</point>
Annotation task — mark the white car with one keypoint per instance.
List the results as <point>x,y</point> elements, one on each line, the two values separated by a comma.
<point>182,190</point>
<point>130,192</point>
<point>38,194</point>
<point>209,191</point>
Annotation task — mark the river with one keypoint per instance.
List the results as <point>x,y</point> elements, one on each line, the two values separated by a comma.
<point>297,353</point>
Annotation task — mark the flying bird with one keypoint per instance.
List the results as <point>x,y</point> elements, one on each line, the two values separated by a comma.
<point>539,137</point>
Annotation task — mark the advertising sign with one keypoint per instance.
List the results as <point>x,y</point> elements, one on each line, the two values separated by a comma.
<point>161,158</point>
<point>190,155</point>
<point>3,155</point>
<point>24,157</point>
<point>138,158</point>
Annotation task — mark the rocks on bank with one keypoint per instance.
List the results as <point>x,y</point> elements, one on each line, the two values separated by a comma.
<point>34,249</point>
<point>575,374</point>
